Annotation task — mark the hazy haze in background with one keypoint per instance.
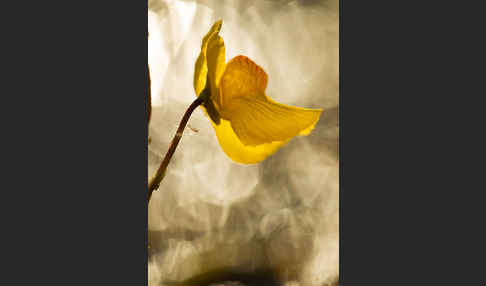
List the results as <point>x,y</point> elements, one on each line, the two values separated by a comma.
<point>211,213</point>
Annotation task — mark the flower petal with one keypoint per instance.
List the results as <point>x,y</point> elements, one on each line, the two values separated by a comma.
<point>237,151</point>
<point>241,78</point>
<point>201,66</point>
<point>261,120</point>
<point>216,65</point>
<point>255,118</point>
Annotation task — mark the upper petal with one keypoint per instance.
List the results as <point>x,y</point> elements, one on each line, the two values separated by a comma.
<point>201,65</point>
<point>241,78</point>
<point>216,65</point>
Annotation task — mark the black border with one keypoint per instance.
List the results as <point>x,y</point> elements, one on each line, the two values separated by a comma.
<point>75,185</point>
<point>75,174</point>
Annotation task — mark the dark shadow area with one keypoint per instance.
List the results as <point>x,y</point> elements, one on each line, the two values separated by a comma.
<point>228,276</point>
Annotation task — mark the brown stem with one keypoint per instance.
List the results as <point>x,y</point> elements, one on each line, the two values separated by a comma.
<point>155,182</point>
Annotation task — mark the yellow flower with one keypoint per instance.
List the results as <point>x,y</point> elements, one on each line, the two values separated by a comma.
<point>249,125</point>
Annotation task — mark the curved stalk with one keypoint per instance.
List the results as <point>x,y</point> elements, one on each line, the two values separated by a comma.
<point>155,182</point>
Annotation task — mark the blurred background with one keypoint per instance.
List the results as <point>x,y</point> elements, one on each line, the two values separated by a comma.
<point>216,222</point>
